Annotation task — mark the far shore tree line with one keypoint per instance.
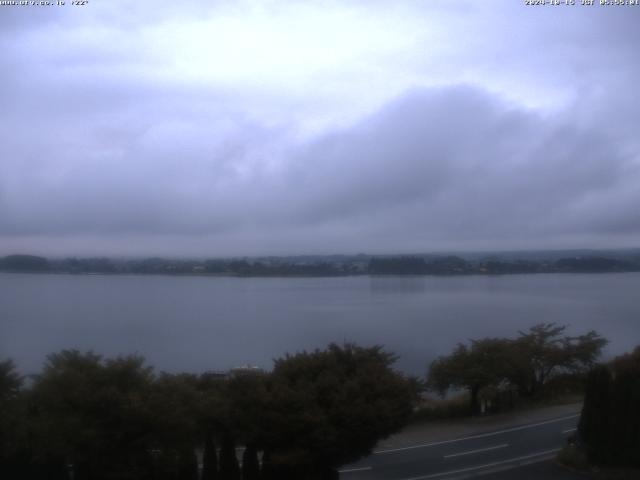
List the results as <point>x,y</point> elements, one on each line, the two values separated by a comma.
<point>92,418</point>
<point>327,266</point>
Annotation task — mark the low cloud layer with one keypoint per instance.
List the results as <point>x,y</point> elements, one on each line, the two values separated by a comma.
<point>442,129</point>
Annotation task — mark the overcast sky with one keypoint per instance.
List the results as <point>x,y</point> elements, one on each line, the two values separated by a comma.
<point>241,127</point>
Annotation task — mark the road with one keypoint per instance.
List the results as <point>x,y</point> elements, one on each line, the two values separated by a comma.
<point>468,455</point>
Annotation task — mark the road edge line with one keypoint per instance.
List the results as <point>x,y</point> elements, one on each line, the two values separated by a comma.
<point>480,435</point>
<point>531,456</point>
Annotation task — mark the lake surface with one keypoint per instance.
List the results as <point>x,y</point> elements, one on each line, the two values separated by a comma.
<point>210,323</point>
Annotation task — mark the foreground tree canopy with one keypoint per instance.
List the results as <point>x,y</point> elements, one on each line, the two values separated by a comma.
<point>524,364</point>
<point>329,408</point>
<point>609,426</point>
<point>116,419</point>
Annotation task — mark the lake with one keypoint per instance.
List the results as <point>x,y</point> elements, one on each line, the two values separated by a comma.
<point>214,323</point>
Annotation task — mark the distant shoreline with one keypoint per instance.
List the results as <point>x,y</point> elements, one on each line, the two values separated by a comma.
<point>331,266</point>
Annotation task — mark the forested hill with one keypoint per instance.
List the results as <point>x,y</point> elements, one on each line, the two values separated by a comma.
<point>338,265</point>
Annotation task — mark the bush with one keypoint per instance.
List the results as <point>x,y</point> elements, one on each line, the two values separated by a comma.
<point>563,384</point>
<point>573,457</point>
<point>439,409</point>
<point>610,422</point>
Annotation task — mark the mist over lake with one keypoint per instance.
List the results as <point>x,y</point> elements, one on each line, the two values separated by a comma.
<point>209,323</point>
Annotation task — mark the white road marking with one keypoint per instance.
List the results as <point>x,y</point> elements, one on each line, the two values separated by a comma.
<point>361,469</point>
<point>486,465</point>
<point>504,445</point>
<point>569,430</point>
<point>482,435</point>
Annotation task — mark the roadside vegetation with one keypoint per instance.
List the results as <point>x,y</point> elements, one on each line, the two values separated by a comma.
<point>90,418</point>
<point>497,374</point>
<point>607,442</point>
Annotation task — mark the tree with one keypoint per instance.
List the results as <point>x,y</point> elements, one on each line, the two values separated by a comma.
<point>229,468</point>
<point>11,418</point>
<point>212,412</point>
<point>330,407</point>
<point>115,419</point>
<point>596,411</point>
<point>250,463</point>
<point>93,414</point>
<point>10,380</point>
<point>543,351</point>
<point>482,364</point>
<point>209,458</point>
<point>527,362</point>
<point>624,447</point>
<point>24,263</point>
<point>173,402</point>
<point>609,425</point>
<point>398,266</point>
<point>246,398</point>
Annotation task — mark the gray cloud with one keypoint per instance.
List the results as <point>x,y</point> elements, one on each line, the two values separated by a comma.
<point>475,128</point>
<point>459,164</point>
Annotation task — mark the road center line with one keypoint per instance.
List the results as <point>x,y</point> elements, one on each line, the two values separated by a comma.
<point>504,445</point>
<point>486,465</point>
<point>348,470</point>
<point>569,430</point>
<point>481,435</point>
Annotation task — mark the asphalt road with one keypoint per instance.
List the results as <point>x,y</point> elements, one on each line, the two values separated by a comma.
<point>467,456</point>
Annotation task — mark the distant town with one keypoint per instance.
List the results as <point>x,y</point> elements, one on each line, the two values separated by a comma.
<point>566,261</point>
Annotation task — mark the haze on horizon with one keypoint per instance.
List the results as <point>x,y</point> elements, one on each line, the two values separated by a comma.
<point>280,127</point>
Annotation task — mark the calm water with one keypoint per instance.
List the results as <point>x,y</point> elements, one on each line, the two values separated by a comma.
<point>200,323</point>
